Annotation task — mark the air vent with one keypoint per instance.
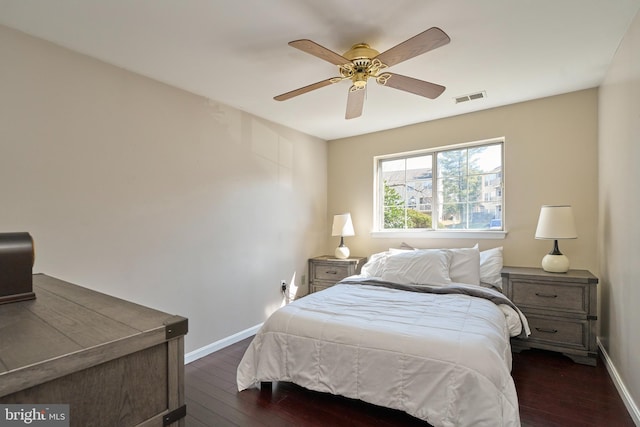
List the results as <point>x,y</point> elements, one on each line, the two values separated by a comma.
<point>470,97</point>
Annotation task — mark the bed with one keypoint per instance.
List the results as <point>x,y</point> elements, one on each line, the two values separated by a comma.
<point>407,334</point>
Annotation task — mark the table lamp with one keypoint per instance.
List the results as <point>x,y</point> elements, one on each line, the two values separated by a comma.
<point>556,222</point>
<point>342,226</point>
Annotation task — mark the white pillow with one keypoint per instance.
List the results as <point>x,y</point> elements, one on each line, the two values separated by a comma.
<point>374,265</point>
<point>465,265</point>
<point>423,267</point>
<point>393,251</point>
<point>491,267</point>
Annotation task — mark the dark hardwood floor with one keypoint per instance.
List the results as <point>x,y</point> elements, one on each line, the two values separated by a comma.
<point>552,391</point>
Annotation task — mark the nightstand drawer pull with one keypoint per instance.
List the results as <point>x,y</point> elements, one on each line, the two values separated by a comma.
<point>548,331</point>
<point>538,294</point>
<point>331,272</point>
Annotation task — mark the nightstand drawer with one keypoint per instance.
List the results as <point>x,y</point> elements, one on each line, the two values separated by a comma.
<point>558,331</point>
<point>319,286</point>
<point>565,297</point>
<point>325,271</point>
<point>331,272</point>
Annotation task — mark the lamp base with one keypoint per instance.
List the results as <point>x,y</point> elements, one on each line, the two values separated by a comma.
<point>555,263</point>
<point>342,252</point>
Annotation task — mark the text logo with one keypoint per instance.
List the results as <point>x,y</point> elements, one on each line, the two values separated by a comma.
<point>34,415</point>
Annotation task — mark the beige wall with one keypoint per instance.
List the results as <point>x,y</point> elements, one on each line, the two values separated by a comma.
<point>152,194</point>
<point>550,158</point>
<point>619,229</point>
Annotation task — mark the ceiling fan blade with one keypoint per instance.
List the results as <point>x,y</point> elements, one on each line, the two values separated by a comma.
<point>409,84</point>
<point>355,102</point>
<point>304,89</point>
<point>428,40</point>
<point>321,52</point>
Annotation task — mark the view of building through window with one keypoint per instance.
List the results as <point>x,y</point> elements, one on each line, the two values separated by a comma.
<point>466,193</point>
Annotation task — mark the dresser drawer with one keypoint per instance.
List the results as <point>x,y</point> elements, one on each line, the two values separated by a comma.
<point>559,331</point>
<point>331,272</point>
<point>552,296</point>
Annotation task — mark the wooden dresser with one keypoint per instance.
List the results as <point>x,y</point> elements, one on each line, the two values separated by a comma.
<point>326,271</point>
<point>115,363</point>
<point>562,310</point>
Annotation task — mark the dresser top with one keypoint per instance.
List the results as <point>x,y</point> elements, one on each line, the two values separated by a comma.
<point>65,319</point>
<point>334,259</point>
<point>584,276</point>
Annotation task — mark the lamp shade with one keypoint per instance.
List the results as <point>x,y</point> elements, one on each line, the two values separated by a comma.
<point>556,222</point>
<point>342,225</point>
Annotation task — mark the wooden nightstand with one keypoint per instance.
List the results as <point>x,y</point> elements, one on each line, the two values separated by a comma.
<point>325,271</point>
<point>562,310</point>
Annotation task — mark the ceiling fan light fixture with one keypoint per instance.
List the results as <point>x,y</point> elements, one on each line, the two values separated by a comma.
<point>360,80</point>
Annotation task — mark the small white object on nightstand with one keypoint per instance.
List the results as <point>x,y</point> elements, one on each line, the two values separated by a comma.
<point>342,226</point>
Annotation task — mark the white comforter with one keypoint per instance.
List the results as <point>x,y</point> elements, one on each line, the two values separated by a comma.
<point>443,358</point>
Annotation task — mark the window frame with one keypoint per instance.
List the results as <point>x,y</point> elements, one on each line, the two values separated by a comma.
<point>378,189</point>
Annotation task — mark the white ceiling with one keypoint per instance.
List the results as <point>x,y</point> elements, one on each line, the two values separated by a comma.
<point>236,52</point>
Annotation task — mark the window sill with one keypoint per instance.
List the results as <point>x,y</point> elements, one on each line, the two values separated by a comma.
<point>424,234</point>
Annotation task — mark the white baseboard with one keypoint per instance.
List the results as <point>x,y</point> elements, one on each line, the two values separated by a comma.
<point>622,389</point>
<point>220,344</point>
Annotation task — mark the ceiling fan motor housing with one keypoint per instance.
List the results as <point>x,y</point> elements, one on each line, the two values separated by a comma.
<point>360,51</point>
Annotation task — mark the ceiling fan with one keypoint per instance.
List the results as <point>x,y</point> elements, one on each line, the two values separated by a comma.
<point>361,62</point>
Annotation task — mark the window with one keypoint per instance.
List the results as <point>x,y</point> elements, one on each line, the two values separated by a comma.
<point>445,189</point>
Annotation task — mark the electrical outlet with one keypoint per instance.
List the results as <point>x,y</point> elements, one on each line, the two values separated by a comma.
<point>283,285</point>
